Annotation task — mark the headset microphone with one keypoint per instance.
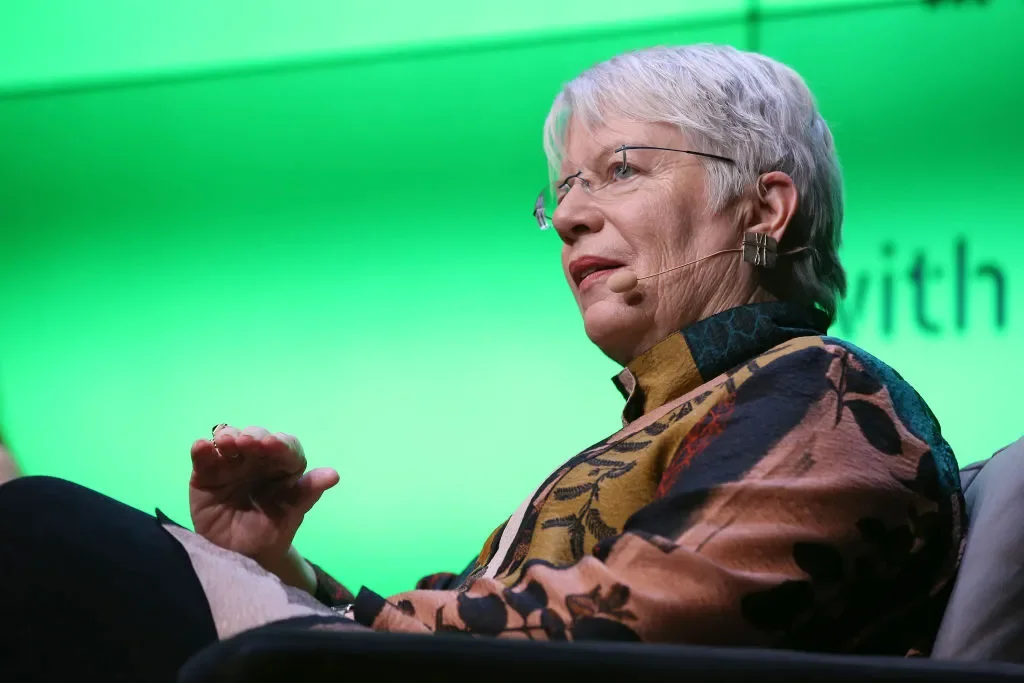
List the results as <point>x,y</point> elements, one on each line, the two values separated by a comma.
<point>758,250</point>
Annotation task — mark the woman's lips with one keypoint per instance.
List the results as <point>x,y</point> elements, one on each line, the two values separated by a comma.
<point>595,277</point>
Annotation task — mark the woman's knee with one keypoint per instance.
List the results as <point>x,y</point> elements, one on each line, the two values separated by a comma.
<point>37,490</point>
<point>51,507</point>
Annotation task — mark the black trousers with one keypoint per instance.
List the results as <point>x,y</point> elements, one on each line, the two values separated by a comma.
<point>92,589</point>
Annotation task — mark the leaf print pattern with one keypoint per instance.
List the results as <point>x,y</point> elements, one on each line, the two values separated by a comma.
<point>486,615</point>
<point>554,627</point>
<point>588,518</point>
<point>559,522</point>
<point>655,428</point>
<point>695,443</point>
<point>803,509</point>
<point>571,492</point>
<point>820,561</point>
<point>877,426</point>
<point>597,526</point>
<point>595,615</point>
<point>594,603</point>
<point>528,600</point>
<point>860,382</point>
<point>630,446</point>
<point>888,573</point>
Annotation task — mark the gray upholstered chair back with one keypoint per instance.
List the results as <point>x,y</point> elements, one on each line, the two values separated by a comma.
<point>985,616</point>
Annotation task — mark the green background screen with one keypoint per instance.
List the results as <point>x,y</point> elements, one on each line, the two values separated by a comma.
<point>314,216</point>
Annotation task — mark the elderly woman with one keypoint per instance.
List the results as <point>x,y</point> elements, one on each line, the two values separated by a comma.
<point>771,486</point>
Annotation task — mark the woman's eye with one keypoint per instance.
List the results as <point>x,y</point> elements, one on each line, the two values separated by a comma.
<point>623,172</point>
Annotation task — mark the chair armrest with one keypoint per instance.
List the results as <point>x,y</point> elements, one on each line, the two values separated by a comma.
<point>269,655</point>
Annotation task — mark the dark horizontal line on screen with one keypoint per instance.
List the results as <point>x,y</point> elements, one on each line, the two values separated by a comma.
<point>751,16</point>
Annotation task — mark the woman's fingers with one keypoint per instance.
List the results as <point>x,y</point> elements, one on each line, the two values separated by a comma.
<point>226,440</point>
<point>250,442</point>
<point>284,453</point>
<point>266,453</point>
<point>323,478</point>
<point>211,468</point>
<point>313,484</point>
<point>292,442</point>
<point>256,433</point>
<point>204,455</point>
<point>255,452</point>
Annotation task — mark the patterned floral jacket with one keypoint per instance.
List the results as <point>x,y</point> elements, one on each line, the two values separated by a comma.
<point>771,487</point>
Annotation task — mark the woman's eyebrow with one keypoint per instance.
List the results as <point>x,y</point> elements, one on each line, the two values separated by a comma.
<point>605,151</point>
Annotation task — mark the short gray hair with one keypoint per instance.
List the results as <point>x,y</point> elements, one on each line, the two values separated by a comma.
<point>739,105</point>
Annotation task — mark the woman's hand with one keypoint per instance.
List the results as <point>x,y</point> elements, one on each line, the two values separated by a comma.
<point>250,491</point>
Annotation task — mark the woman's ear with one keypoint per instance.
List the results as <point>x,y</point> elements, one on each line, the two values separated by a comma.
<point>774,205</point>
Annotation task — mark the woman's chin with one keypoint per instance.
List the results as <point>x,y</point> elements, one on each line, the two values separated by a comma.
<point>614,327</point>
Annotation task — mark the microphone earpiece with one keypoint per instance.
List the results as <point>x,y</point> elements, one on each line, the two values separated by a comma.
<point>622,281</point>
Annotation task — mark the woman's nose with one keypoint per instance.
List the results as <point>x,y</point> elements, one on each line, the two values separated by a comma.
<point>576,216</point>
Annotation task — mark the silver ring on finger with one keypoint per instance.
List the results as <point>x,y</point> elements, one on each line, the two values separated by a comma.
<point>213,440</point>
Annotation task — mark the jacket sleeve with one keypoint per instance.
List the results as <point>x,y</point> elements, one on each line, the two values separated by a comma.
<point>803,510</point>
<point>330,591</point>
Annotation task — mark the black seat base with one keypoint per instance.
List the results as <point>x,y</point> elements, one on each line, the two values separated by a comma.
<point>273,654</point>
